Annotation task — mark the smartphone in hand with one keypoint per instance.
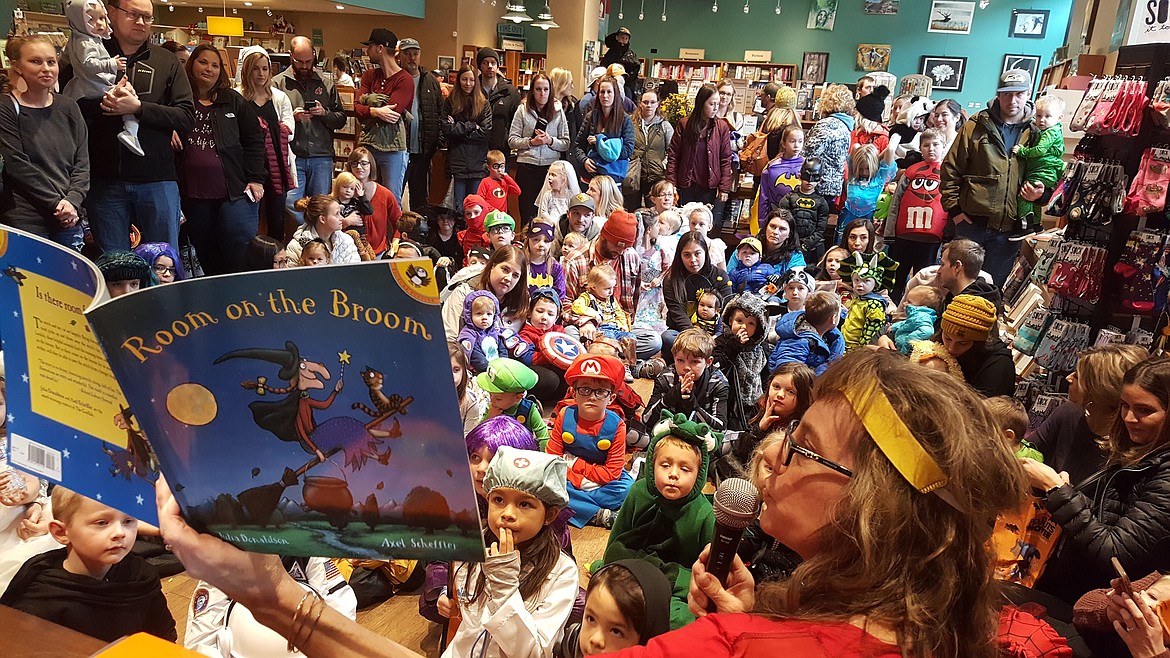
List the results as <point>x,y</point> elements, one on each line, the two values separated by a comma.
<point>1126,584</point>
<point>310,105</point>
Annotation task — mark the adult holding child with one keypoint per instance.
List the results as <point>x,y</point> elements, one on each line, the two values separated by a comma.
<point>606,139</point>
<point>540,136</point>
<point>383,221</point>
<point>690,273</point>
<point>223,167</point>
<point>652,137</point>
<point>505,276</point>
<point>862,591</point>
<point>275,113</point>
<point>698,161</point>
<point>384,97</point>
<point>44,143</point>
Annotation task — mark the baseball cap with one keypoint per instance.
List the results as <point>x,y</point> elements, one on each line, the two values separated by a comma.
<point>1013,80</point>
<point>408,43</point>
<point>506,376</point>
<point>382,37</point>
<point>581,199</point>
<point>498,218</point>
<point>754,243</point>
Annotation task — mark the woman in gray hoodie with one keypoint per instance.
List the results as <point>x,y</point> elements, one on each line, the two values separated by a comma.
<point>540,136</point>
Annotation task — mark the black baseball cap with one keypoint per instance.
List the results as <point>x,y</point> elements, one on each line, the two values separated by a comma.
<point>382,37</point>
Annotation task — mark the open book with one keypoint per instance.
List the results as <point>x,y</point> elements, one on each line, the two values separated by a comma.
<point>308,411</point>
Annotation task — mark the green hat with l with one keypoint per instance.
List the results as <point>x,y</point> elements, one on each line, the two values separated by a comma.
<point>506,376</point>
<point>498,218</point>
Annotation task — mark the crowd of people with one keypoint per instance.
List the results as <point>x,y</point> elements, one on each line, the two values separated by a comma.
<point>853,370</point>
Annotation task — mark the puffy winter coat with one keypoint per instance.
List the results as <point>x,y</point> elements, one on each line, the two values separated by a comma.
<point>799,342</point>
<point>1122,512</point>
<point>829,140</point>
<point>430,118</point>
<point>467,142</point>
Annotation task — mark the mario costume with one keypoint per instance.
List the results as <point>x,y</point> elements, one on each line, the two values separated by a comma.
<point>509,376</point>
<point>597,448</point>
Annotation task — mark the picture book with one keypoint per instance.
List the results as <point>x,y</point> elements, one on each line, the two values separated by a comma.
<point>304,411</point>
<point>67,419</point>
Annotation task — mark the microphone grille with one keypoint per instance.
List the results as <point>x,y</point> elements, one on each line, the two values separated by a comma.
<point>737,503</point>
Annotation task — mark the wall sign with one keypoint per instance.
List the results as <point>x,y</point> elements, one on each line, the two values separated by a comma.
<point>691,53</point>
<point>757,56</point>
<point>1151,22</point>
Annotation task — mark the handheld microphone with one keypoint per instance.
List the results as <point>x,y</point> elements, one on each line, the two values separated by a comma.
<point>737,505</point>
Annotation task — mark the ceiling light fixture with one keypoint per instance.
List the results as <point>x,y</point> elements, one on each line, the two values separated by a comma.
<point>620,14</point>
<point>247,4</point>
<point>516,13</point>
<point>544,20</point>
<point>663,11</point>
<point>170,7</point>
<point>715,7</point>
<point>746,7</point>
<point>641,10</point>
<point>777,7</point>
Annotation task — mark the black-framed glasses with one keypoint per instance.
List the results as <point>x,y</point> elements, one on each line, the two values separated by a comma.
<point>789,447</point>
<point>146,19</point>
<point>501,229</point>
<point>164,269</point>
<point>360,163</point>
<point>500,166</point>
<point>588,392</point>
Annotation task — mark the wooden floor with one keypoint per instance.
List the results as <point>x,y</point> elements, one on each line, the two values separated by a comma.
<point>398,618</point>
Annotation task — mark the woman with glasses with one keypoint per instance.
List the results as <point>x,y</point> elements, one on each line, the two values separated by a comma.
<point>886,489</point>
<point>469,122</point>
<point>383,222</point>
<point>652,134</point>
<point>163,260</point>
<point>275,113</point>
<point>223,170</point>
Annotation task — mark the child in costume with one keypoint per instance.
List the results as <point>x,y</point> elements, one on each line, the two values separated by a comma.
<point>474,209</point>
<point>707,312</point>
<point>626,605</point>
<point>593,437</point>
<point>651,310</point>
<point>666,520</point>
<point>163,260</point>
<point>500,227</point>
<point>810,211</point>
<point>867,314</point>
<point>480,336</point>
<point>795,288</point>
<point>495,188</point>
<point>741,355</point>
<point>507,383</point>
<point>1043,160</point>
<point>782,175</point>
<point>94,71</point>
<point>932,354</point>
<point>749,273</point>
<point>544,311</point>
<point>543,269</point>
<point>523,593</point>
<point>922,307</point>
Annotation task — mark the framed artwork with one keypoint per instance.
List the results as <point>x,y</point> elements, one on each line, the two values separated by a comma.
<point>445,65</point>
<point>946,73</point>
<point>873,57</point>
<point>951,17</point>
<point>350,127</point>
<point>814,66</point>
<point>1029,63</point>
<point>822,15</point>
<point>882,7</point>
<point>346,96</point>
<point>804,94</point>
<point>1029,23</point>
<point>342,148</point>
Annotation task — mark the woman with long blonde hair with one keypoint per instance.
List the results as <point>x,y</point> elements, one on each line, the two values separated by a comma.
<point>275,112</point>
<point>562,92</point>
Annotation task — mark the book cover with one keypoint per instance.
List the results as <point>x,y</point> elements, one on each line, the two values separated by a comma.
<point>308,411</point>
<point>67,419</point>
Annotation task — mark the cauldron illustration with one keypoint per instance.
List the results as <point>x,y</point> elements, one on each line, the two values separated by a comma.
<point>329,496</point>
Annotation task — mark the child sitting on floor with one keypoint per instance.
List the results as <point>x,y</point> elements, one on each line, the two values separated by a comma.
<point>594,438</point>
<point>750,274</point>
<point>922,308</point>
<point>666,520</point>
<point>691,386</point>
<point>93,584</point>
<point>543,269</point>
<point>598,306</point>
<point>626,605</point>
<point>480,335</point>
<point>507,383</point>
<point>707,312</point>
<point>810,336</point>
<point>741,355</point>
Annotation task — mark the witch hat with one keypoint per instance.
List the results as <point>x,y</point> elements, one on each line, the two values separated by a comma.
<point>288,359</point>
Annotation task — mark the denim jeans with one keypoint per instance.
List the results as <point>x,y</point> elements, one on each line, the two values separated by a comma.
<point>1001,252</point>
<point>220,230</point>
<point>114,205</point>
<point>315,176</point>
<point>463,187</point>
<point>392,170</point>
<point>647,343</point>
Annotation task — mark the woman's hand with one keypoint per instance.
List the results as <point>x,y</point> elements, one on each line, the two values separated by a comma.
<point>1136,622</point>
<point>24,496</point>
<point>443,262</point>
<point>1042,476</point>
<point>65,213</point>
<point>257,191</point>
<point>176,142</point>
<point>589,165</point>
<point>448,607</point>
<point>35,522</point>
<point>738,596</point>
<point>253,579</point>
<point>592,140</point>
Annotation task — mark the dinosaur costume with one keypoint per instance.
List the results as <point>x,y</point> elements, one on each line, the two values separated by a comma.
<point>867,314</point>
<point>669,534</point>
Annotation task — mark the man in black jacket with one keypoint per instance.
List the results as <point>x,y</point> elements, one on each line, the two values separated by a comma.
<point>125,188</point>
<point>501,96</point>
<point>619,52</point>
<point>427,111</point>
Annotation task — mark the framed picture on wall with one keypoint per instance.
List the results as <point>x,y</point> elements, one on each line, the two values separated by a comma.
<point>1029,23</point>
<point>950,17</point>
<point>873,57</point>
<point>346,96</point>
<point>1029,63</point>
<point>446,65</point>
<point>814,66</point>
<point>946,73</point>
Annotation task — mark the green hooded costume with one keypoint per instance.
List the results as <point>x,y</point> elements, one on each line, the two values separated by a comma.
<point>669,534</point>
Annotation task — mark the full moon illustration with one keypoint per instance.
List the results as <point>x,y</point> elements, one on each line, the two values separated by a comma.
<point>192,404</point>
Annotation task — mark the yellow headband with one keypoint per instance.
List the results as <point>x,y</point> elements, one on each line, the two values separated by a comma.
<point>895,440</point>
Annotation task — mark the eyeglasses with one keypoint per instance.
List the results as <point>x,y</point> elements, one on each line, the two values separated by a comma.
<point>789,447</point>
<point>497,230</point>
<point>164,269</point>
<point>360,163</point>
<point>586,392</point>
<point>501,166</point>
<point>146,19</point>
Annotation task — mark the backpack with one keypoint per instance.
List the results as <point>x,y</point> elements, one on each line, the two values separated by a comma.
<point>753,157</point>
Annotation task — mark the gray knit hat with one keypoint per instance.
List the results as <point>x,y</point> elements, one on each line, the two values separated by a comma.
<point>536,473</point>
<point>121,265</point>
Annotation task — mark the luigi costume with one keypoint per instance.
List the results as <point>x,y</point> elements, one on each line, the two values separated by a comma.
<point>510,376</point>
<point>669,534</point>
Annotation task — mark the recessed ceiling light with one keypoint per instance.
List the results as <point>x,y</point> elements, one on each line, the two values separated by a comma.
<point>340,6</point>
<point>247,4</point>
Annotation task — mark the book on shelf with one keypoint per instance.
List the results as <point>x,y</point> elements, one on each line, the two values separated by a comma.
<point>285,407</point>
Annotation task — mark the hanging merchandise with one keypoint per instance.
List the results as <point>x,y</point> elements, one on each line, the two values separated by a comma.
<point>1109,336</point>
<point>1091,193</point>
<point>1046,253</point>
<point>1042,407</point>
<point>1137,270</point>
<point>1078,271</point>
<point>1147,194</point>
<point>1060,345</point>
<point>1160,104</point>
<point>1032,329</point>
<point>1112,106</point>
<point>1080,118</point>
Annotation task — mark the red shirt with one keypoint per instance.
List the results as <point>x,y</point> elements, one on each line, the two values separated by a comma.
<point>399,87</point>
<point>381,225</point>
<point>495,192</point>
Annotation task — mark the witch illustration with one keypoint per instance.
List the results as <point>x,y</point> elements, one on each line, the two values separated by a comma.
<point>137,458</point>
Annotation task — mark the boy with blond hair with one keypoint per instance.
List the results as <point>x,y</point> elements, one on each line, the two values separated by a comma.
<point>498,185</point>
<point>93,584</point>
